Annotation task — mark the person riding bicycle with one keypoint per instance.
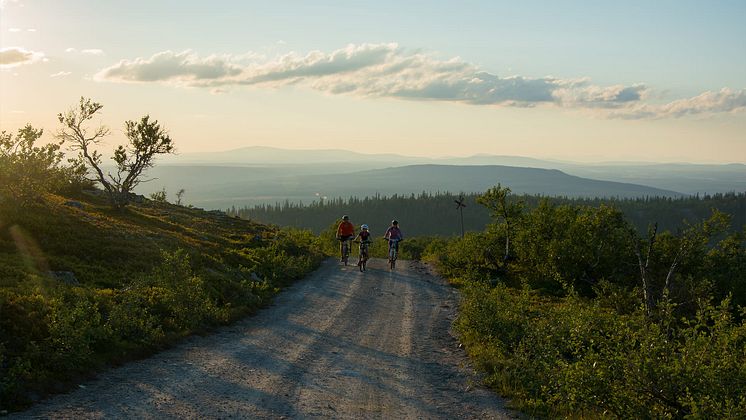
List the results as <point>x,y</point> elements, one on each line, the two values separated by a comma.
<point>364,238</point>
<point>394,235</point>
<point>345,231</point>
<point>364,235</point>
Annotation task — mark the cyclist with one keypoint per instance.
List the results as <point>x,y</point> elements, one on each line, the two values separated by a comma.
<point>394,235</point>
<point>345,231</point>
<point>364,238</point>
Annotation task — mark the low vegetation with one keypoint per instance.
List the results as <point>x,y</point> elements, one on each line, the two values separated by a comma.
<point>570,311</point>
<point>569,308</point>
<point>85,284</point>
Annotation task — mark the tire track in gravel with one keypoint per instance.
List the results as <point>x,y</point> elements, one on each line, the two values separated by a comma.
<point>339,344</point>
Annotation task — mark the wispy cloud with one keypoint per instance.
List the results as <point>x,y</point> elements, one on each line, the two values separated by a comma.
<point>387,70</point>
<point>4,3</point>
<point>16,56</point>
<point>183,68</point>
<point>15,30</point>
<point>60,74</point>
<point>86,51</point>
<point>722,101</point>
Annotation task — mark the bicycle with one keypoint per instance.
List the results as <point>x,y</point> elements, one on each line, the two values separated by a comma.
<point>364,254</point>
<point>345,250</point>
<point>393,252</point>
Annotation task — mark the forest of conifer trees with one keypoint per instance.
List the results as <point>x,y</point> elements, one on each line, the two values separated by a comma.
<point>437,214</point>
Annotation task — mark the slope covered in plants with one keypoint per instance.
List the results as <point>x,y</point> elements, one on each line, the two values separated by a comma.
<point>83,285</point>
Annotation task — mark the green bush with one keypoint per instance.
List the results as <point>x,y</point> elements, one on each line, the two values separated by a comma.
<point>578,338</point>
<point>28,171</point>
<point>51,332</point>
<point>568,355</point>
<point>475,257</point>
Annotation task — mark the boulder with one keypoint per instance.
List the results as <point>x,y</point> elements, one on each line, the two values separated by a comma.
<point>73,203</point>
<point>67,277</point>
<point>95,193</point>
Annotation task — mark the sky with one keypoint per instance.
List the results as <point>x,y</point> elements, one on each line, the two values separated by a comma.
<point>586,81</point>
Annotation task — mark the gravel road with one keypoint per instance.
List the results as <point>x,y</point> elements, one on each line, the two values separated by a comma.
<point>339,344</point>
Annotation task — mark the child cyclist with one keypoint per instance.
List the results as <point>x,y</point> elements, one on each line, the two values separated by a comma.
<point>364,238</point>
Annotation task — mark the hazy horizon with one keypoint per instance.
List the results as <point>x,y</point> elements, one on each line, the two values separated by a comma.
<point>462,156</point>
<point>586,82</point>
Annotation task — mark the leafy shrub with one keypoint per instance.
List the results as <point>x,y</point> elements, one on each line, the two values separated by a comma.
<point>27,171</point>
<point>602,326</point>
<point>51,332</point>
<point>570,356</point>
<point>159,196</point>
<point>559,248</point>
<point>476,257</point>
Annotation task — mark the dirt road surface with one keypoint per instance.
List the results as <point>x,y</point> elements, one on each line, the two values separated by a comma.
<point>339,344</point>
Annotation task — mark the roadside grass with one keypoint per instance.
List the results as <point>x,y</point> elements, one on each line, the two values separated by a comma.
<point>146,277</point>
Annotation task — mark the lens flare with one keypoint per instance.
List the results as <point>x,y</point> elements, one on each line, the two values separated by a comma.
<point>30,252</point>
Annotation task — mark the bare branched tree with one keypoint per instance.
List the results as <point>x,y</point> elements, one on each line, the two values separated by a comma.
<point>146,140</point>
<point>179,196</point>
<point>644,264</point>
<point>689,244</point>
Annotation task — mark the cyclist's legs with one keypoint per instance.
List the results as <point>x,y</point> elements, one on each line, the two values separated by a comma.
<point>342,241</point>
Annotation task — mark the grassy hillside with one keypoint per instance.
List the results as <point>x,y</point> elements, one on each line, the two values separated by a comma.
<point>83,286</point>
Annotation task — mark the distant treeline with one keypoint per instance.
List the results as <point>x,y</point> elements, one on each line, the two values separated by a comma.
<point>437,214</point>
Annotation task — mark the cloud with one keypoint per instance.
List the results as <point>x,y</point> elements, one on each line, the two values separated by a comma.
<point>387,70</point>
<point>723,101</point>
<point>4,3</point>
<point>21,30</point>
<point>179,68</point>
<point>15,56</point>
<point>61,74</point>
<point>87,51</point>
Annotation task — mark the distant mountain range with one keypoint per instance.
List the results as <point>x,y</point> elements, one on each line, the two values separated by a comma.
<point>685,178</point>
<point>223,187</point>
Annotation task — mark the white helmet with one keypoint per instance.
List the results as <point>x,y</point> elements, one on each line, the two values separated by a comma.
<point>364,227</point>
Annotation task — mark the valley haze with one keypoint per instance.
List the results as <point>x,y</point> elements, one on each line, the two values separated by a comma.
<point>267,175</point>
